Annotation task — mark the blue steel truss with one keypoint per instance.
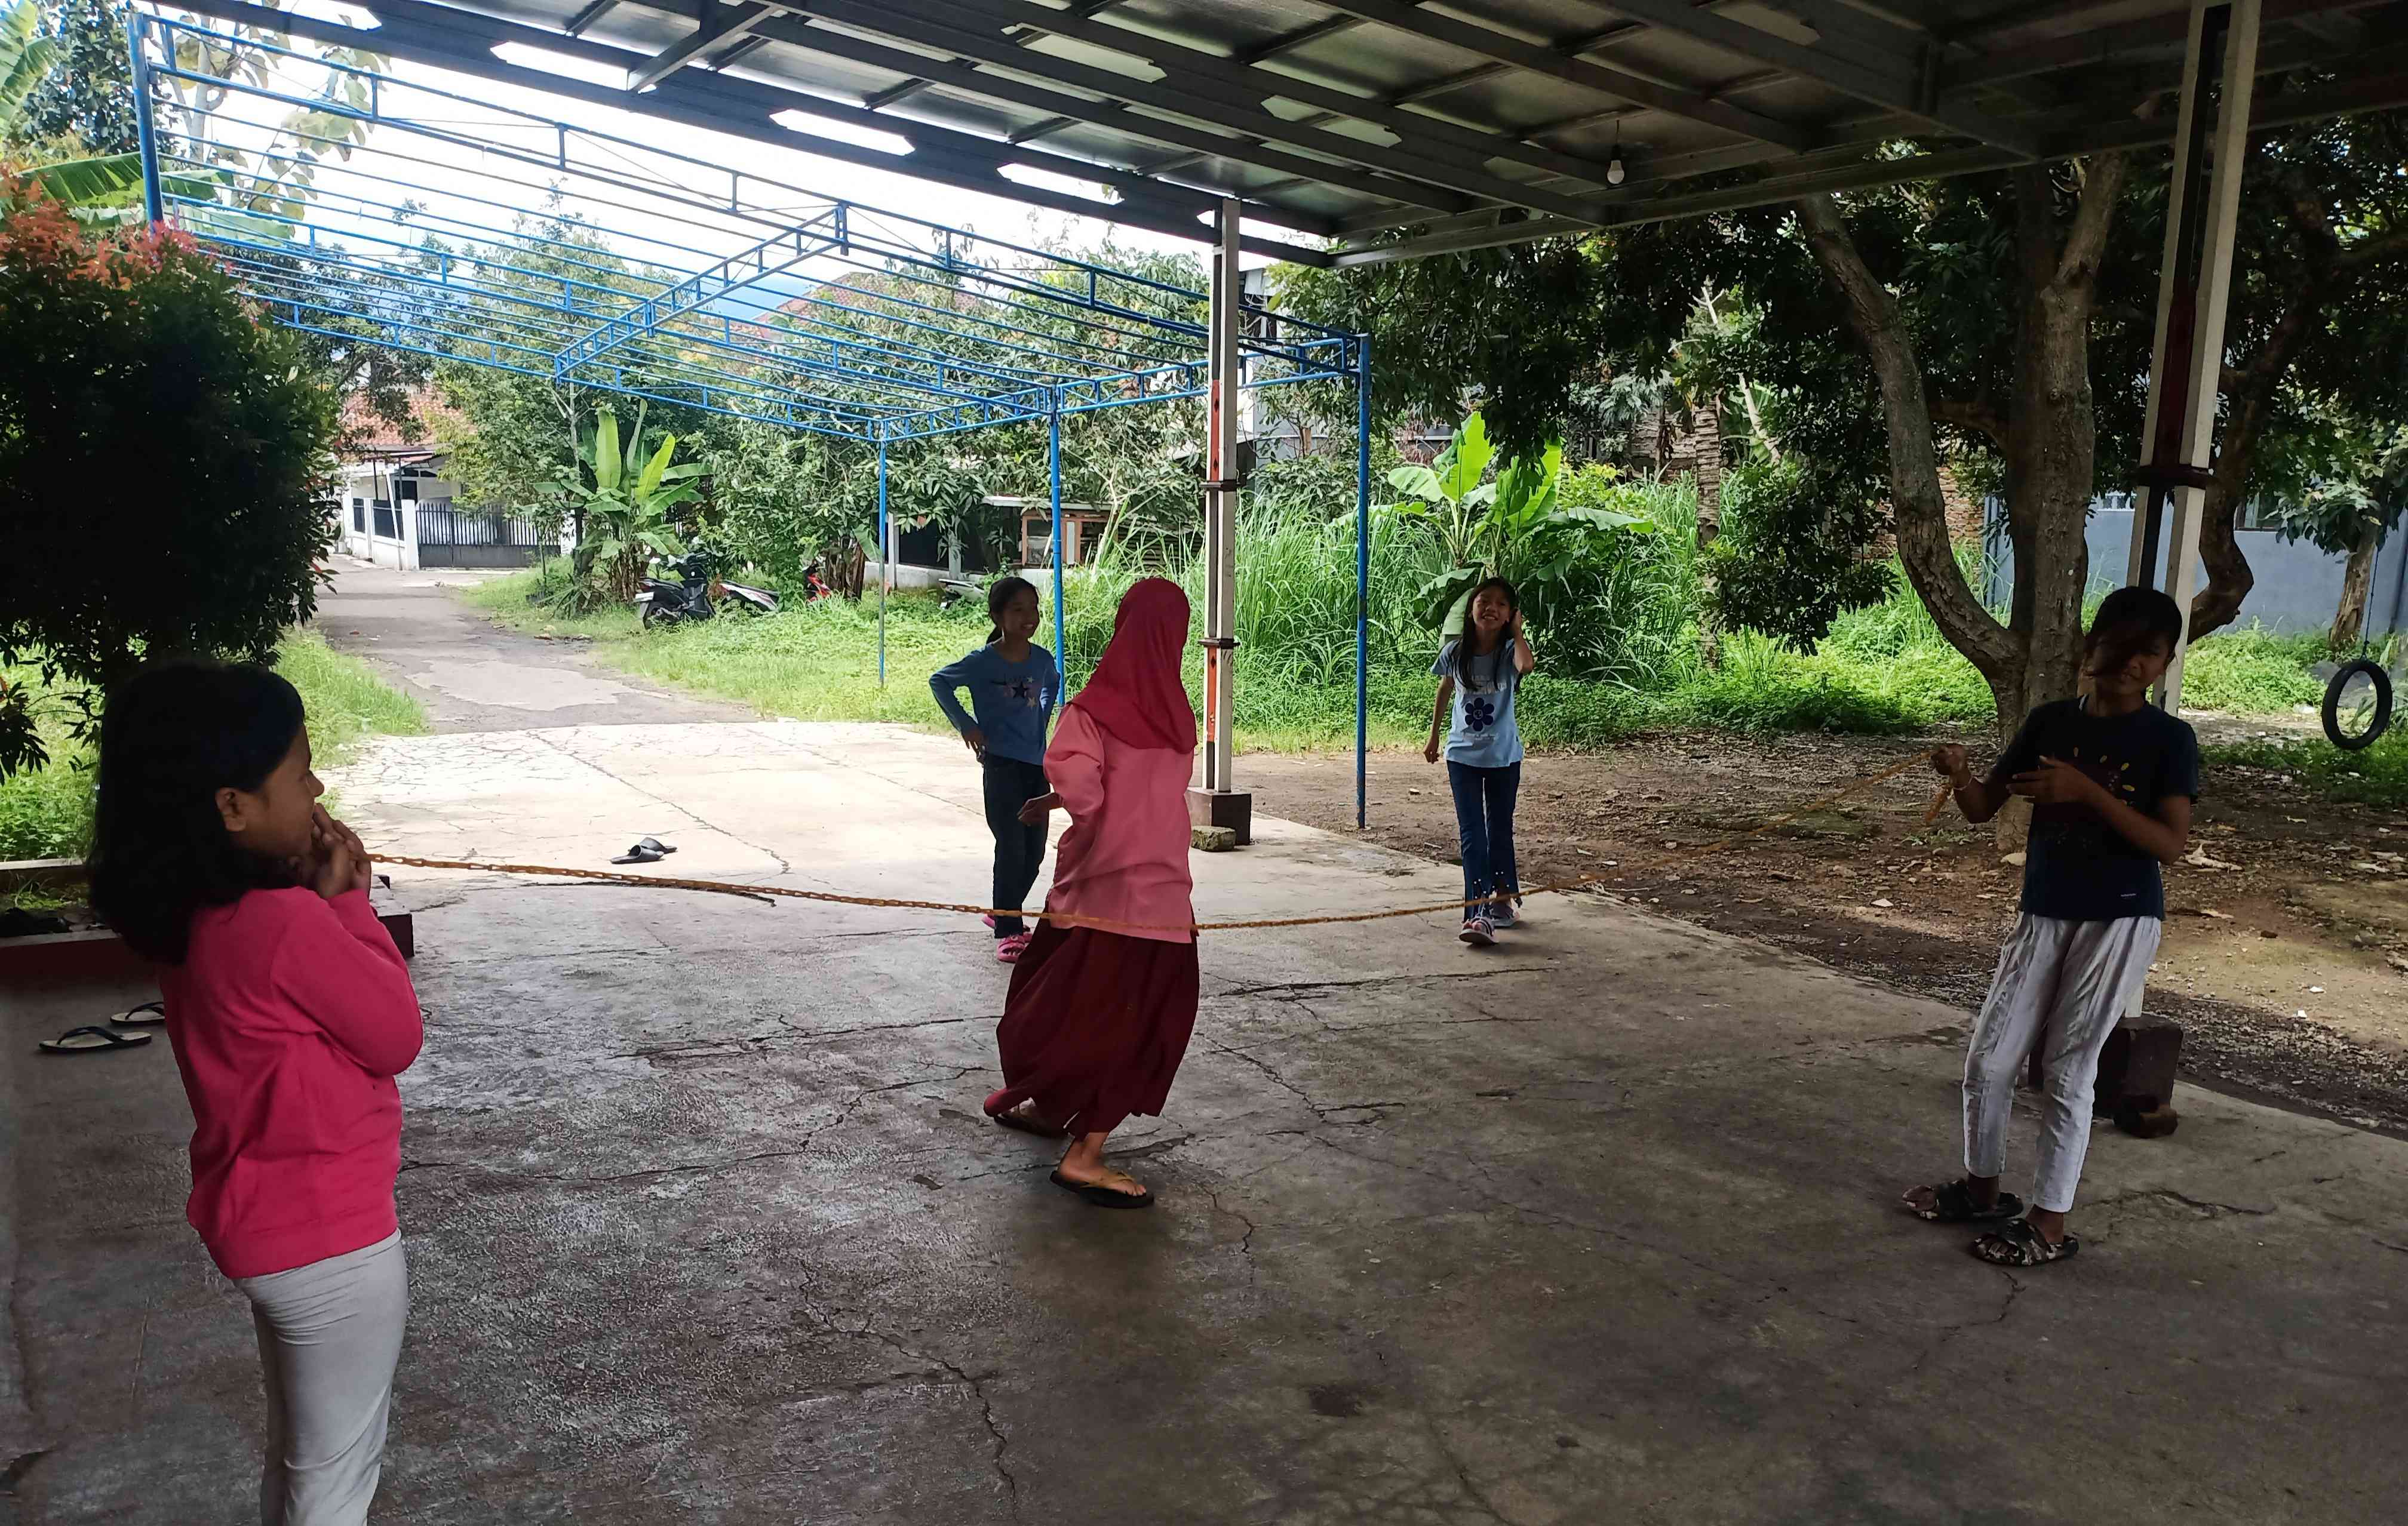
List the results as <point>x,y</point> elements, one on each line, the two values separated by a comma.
<point>355,203</point>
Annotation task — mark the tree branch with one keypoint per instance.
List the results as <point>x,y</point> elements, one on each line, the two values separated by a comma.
<point>1982,418</point>
<point>2373,250</point>
<point>1915,494</point>
<point>2085,240</point>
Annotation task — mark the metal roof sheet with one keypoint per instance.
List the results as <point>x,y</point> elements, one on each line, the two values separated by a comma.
<point>1401,128</point>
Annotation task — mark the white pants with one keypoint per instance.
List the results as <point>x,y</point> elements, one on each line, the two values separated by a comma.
<point>2071,982</point>
<point>329,1338</point>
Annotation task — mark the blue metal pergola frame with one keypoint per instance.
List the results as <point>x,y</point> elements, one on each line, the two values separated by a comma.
<point>443,225</point>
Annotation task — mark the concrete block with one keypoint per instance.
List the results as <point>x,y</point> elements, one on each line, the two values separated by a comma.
<point>1214,839</point>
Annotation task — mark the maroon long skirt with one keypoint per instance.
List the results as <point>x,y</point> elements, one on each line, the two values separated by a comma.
<point>1096,1026</point>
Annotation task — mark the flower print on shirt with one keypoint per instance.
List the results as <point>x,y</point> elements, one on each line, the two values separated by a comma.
<point>1478,713</point>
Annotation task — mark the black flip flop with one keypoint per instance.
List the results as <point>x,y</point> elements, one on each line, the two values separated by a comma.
<point>1103,1197</point>
<point>93,1040</point>
<point>2016,1242</point>
<point>641,854</point>
<point>1952,1203</point>
<point>656,846</point>
<point>149,1014</point>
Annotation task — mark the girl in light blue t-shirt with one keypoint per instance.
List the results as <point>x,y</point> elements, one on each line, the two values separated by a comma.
<point>1478,679</point>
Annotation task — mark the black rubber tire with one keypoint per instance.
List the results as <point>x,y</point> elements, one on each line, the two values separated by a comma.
<point>2373,672</point>
<point>658,615</point>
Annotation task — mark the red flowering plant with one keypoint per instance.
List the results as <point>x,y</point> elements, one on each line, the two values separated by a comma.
<point>164,466</point>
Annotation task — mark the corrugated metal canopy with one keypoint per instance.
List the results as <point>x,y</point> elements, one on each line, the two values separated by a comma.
<point>1396,129</point>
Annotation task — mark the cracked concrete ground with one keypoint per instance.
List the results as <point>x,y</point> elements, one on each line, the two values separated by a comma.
<point>705,1225</point>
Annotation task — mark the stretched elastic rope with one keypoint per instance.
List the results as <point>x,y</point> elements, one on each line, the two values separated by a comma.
<point>1106,924</point>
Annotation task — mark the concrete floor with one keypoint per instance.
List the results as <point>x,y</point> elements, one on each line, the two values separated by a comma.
<point>1599,1226</point>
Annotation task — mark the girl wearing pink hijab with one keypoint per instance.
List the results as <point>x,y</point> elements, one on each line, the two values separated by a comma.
<point>1097,1021</point>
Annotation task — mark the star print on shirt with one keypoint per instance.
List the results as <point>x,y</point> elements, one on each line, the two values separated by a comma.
<point>1023,691</point>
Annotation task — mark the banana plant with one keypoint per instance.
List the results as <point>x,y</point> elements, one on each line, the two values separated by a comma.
<point>1512,526</point>
<point>97,187</point>
<point>625,509</point>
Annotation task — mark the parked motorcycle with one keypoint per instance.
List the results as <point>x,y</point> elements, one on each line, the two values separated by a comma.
<point>698,594</point>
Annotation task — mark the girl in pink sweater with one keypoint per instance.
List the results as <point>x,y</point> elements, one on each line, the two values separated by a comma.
<point>290,1012</point>
<point>1099,1019</point>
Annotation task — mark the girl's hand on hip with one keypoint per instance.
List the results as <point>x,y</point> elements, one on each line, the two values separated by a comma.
<point>1037,811</point>
<point>975,740</point>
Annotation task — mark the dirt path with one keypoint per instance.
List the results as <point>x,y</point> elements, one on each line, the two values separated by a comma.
<point>2285,957</point>
<point>473,675</point>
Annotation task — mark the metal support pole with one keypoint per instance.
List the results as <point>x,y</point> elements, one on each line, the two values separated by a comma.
<point>1053,482</point>
<point>138,27</point>
<point>2194,283</point>
<point>2193,290</point>
<point>1215,802</point>
<point>885,564</point>
<point>1362,581</point>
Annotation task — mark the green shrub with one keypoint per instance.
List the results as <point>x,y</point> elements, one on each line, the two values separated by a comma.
<point>163,467</point>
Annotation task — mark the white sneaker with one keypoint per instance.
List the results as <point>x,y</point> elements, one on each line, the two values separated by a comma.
<point>1477,933</point>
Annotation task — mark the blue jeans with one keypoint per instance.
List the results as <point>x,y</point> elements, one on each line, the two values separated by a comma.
<point>1484,824</point>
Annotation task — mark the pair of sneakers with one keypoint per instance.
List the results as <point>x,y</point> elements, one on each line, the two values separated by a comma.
<point>1480,928</point>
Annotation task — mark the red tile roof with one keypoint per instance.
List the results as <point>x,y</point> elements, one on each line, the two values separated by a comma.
<point>368,432</point>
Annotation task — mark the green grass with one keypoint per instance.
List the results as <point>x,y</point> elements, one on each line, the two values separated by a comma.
<point>47,812</point>
<point>2253,671</point>
<point>2376,777</point>
<point>1884,670</point>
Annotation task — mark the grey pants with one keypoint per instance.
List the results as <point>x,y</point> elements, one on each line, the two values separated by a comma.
<point>2072,981</point>
<point>329,1336</point>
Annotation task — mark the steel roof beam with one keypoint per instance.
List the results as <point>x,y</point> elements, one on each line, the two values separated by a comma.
<point>1067,98</point>
<point>1245,85</point>
<point>2384,90</point>
<point>1878,77</point>
<point>593,11</point>
<point>932,22</point>
<point>464,41</point>
<point>2102,43</point>
<point>1503,48</point>
<point>717,25</point>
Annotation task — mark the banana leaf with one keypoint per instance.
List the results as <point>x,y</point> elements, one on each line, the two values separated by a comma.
<point>25,57</point>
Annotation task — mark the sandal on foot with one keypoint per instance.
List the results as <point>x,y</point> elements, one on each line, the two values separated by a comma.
<point>1103,1197</point>
<point>149,1014</point>
<point>1952,1203</point>
<point>92,1040</point>
<point>2016,1242</point>
<point>1012,1118</point>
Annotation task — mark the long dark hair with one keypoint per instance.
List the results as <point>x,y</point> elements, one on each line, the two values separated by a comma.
<point>999,595</point>
<point>174,735</point>
<point>1471,633</point>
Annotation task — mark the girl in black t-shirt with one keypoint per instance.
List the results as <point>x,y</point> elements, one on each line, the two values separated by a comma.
<point>2112,780</point>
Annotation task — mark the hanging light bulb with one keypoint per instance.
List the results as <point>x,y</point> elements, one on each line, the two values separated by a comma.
<point>1613,170</point>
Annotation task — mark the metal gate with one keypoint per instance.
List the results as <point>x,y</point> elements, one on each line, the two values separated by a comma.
<point>450,537</point>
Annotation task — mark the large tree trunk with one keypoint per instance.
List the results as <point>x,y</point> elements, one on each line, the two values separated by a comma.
<point>2051,445</point>
<point>1914,489</point>
<point>2048,437</point>
<point>2357,580</point>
